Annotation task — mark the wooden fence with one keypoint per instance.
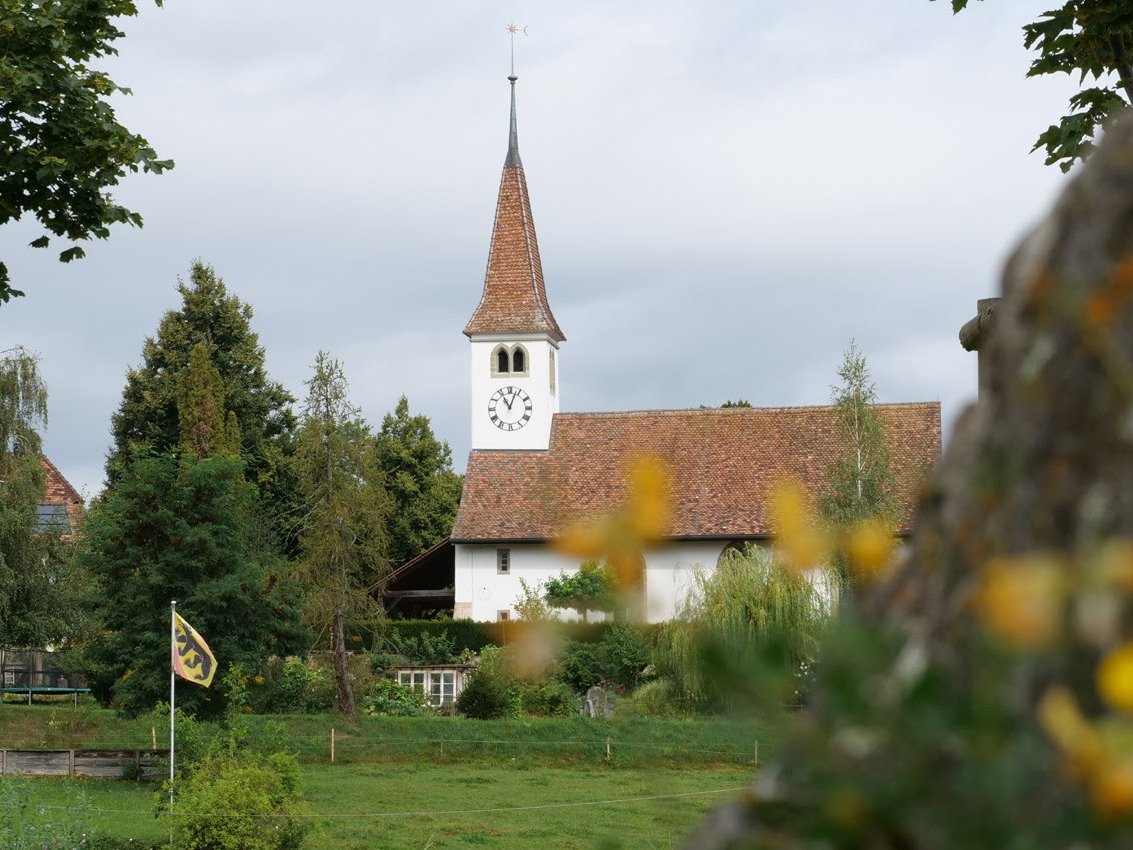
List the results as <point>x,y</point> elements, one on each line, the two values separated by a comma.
<point>107,764</point>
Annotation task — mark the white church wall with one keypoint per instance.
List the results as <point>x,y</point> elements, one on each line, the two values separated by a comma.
<point>482,592</point>
<point>669,572</point>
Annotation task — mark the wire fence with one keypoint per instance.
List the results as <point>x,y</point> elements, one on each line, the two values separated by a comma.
<point>341,747</point>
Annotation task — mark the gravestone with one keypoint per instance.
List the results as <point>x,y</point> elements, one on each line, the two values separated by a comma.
<point>598,703</point>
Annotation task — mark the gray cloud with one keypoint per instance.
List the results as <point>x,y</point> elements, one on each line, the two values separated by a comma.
<point>725,196</point>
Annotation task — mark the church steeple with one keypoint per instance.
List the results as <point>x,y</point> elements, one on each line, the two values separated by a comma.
<point>513,333</point>
<point>514,300</point>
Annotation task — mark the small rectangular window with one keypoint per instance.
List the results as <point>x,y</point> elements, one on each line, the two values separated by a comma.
<point>503,561</point>
<point>405,678</point>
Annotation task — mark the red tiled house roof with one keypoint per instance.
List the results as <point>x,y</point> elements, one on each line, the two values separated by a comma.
<point>514,298</point>
<point>60,492</point>
<point>723,464</point>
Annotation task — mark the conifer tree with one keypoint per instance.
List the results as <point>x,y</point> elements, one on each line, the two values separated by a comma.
<point>180,527</point>
<point>344,510</point>
<point>147,419</point>
<point>421,483</point>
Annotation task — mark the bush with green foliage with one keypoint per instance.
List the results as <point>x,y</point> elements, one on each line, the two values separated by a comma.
<point>749,603</point>
<point>424,647</point>
<point>548,698</point>
<point>387,698</point>
<point>492,690</point>
<point>291,686</point>
<point>590,588</point>
<point>657,698</point>
<point>241,803</point>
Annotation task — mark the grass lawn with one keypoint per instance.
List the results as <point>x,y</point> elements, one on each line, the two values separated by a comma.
<point>360,807</point>
<point>438,781</point>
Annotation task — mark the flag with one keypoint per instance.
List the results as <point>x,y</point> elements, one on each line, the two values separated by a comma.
<point>192,658</point>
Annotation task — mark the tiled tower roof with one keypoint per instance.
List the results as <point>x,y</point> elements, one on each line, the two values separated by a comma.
<point>515,298</point>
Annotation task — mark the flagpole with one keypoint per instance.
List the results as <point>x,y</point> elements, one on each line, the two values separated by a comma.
<point>172,705</point>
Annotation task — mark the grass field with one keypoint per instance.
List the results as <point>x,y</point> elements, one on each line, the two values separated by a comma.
<point>442,782</point>
<point>359,807</point>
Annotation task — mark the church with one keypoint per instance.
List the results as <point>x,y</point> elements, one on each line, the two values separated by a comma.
<point>534,470</point>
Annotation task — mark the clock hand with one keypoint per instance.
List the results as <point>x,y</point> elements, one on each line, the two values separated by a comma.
<point>509,402</point>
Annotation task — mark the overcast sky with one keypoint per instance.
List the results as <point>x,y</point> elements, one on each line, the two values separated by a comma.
<point>725,195</point>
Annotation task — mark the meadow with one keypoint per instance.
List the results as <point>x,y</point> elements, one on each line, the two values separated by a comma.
<point>437,781</point>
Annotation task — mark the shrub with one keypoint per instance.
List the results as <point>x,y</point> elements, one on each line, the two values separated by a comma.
<point>548,699</point>
<point>291,685</point>
<point>582,665</point>
<point>233,803</point>
<point>492,691</point>
<point>387,698</point>
<point>625,654</point>
<point>659,698</point>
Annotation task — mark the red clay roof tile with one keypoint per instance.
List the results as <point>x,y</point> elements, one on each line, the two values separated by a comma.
<point>723,463</point>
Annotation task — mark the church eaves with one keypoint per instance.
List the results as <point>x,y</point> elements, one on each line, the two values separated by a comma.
<point>514,300</point>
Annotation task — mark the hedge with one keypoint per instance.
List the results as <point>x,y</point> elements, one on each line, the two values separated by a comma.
<point>469,634</point>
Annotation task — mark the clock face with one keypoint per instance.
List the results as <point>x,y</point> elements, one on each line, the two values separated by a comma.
<point>509,408</point>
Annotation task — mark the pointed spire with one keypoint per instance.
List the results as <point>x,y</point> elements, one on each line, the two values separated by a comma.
<point>513,134</point>
<point>514,298</point>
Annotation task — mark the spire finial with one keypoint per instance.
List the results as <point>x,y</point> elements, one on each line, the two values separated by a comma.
<point>513,135</point>
<point>513,30</point>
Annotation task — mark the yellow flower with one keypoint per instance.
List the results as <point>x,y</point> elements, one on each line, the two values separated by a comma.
<point>1020,600</point>
<point>1061,719</point>
<point>869,547</point>
<point>1111,788</point>
<point>1116,564</point>
<point>1115,678</point>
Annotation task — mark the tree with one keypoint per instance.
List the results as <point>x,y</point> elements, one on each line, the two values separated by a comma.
<point>181,528</point>
<point>592,588</point>
<point>61,145</point>
<point>35,571</point>
<point>419,477</point>
<point>219,325</point>
<point>344,513</point>
<point>861,478</point>
<point>749,600</point>
<point>1088,38</point>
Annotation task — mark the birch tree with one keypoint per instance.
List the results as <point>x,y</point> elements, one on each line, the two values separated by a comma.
<point>861,478</point>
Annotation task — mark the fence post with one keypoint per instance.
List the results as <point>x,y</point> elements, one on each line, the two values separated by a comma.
<point>757,752</point>
<point>332,745</point>
<point>70,762</point>
<point>607,748</point>
<point>153,737</point>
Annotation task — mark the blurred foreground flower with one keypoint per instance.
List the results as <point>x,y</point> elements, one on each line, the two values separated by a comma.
<point>869,547</point>
<point>1115,678</point>
<point>798,535</point>
<point>642,520</point>
<point>1020,599</point>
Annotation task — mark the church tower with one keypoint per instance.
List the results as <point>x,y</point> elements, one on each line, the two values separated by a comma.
<point>514,336</point>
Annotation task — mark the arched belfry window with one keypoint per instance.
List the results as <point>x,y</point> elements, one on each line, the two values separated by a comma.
<point>519,359</point>
<point>500,361</point>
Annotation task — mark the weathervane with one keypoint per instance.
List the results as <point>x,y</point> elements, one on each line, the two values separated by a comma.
<point>514,30</point>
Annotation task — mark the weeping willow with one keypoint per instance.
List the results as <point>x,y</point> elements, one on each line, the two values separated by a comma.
<point>736,612</point>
